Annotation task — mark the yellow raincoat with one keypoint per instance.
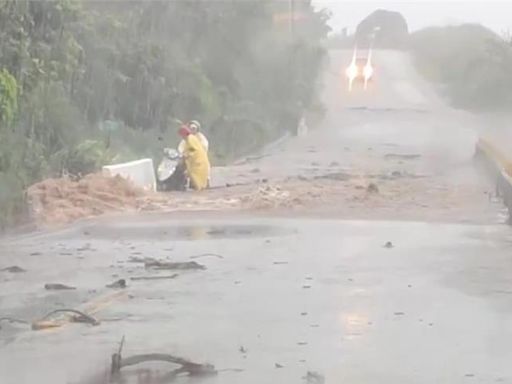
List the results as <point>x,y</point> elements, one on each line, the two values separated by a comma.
<point>196,160</point>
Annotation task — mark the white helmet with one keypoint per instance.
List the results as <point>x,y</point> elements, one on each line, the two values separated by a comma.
<point>194,126</point>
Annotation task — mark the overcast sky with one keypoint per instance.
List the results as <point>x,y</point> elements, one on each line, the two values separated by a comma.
<point>494,14</point>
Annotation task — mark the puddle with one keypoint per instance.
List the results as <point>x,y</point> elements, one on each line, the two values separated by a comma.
<point>186,232</point>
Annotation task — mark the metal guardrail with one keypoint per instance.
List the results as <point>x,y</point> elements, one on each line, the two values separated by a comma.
<point>500,168</point>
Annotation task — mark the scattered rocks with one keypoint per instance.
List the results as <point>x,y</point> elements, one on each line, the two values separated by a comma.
<point>314,378</point>
<point>58,287</point>
<point>13,269</point>
<point>242,349</point>
<point>277,365</point>
<point>388,245</point>
<point>121,283</point>
<point>372,188</point>
<point>399,313</point>
<point>306,286</point>
<point>302,343</point>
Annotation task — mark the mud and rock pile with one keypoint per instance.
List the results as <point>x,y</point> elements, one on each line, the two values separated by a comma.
<point>60,201</point>
<point>271,197</point>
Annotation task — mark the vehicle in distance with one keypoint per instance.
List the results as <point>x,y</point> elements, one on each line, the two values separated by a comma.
<point>360,70</point>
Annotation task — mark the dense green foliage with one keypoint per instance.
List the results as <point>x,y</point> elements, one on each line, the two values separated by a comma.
<point>83,83</point>
<point>470,62</point>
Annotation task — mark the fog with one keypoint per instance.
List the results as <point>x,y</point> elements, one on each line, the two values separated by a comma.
<point>220,191</point>
<point>419,14</point>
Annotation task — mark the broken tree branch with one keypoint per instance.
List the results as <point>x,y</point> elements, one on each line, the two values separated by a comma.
<point>138,278</point>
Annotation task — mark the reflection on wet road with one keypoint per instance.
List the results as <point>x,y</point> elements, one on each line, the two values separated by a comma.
<point>302,296</point>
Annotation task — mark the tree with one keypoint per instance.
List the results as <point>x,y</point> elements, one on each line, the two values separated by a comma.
<point>8,98</point>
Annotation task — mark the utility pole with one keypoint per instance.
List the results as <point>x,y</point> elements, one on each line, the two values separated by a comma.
<point>291,5</point>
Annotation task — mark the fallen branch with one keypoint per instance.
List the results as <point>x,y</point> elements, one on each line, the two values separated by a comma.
<point>58,287</point>
<point>187,265</point>
<point>134,259</point>
<point>207,255</point>
<point>193,369</point>
<point>79,317</point>
<point>13,269</point>
<point>138,278</point>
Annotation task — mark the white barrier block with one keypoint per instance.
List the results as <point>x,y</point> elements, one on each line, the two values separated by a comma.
<point>140,172</point>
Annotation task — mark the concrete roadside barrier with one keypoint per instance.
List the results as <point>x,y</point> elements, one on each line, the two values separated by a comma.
<point>140,172</point>
<point>499,164</point>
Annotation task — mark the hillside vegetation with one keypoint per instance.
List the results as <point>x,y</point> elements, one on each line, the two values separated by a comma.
<point>470,63</point>
<point>83,83</point>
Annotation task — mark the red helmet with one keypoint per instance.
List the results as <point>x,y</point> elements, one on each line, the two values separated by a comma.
<point>184,131</point>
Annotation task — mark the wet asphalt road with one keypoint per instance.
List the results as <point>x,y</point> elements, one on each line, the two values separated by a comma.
<point>324,296</point>
<point>399,126</point>
<point>309,295</point>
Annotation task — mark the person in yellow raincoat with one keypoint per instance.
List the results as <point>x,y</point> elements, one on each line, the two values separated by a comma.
<point>196,159</point>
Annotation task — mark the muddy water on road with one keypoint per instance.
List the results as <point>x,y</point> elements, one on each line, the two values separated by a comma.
<point>157,230</point>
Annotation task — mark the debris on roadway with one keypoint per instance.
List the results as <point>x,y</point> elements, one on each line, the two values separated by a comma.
<point>13,269</point>
<point>314,378</point>
<point>186,265</point>
<point>121,283</point>
<point>63,200</point>
<point>372,188</point>
<point>166,277</point>
<point>58,287</point>
<point>188,367</point>
<point>74,316</point>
